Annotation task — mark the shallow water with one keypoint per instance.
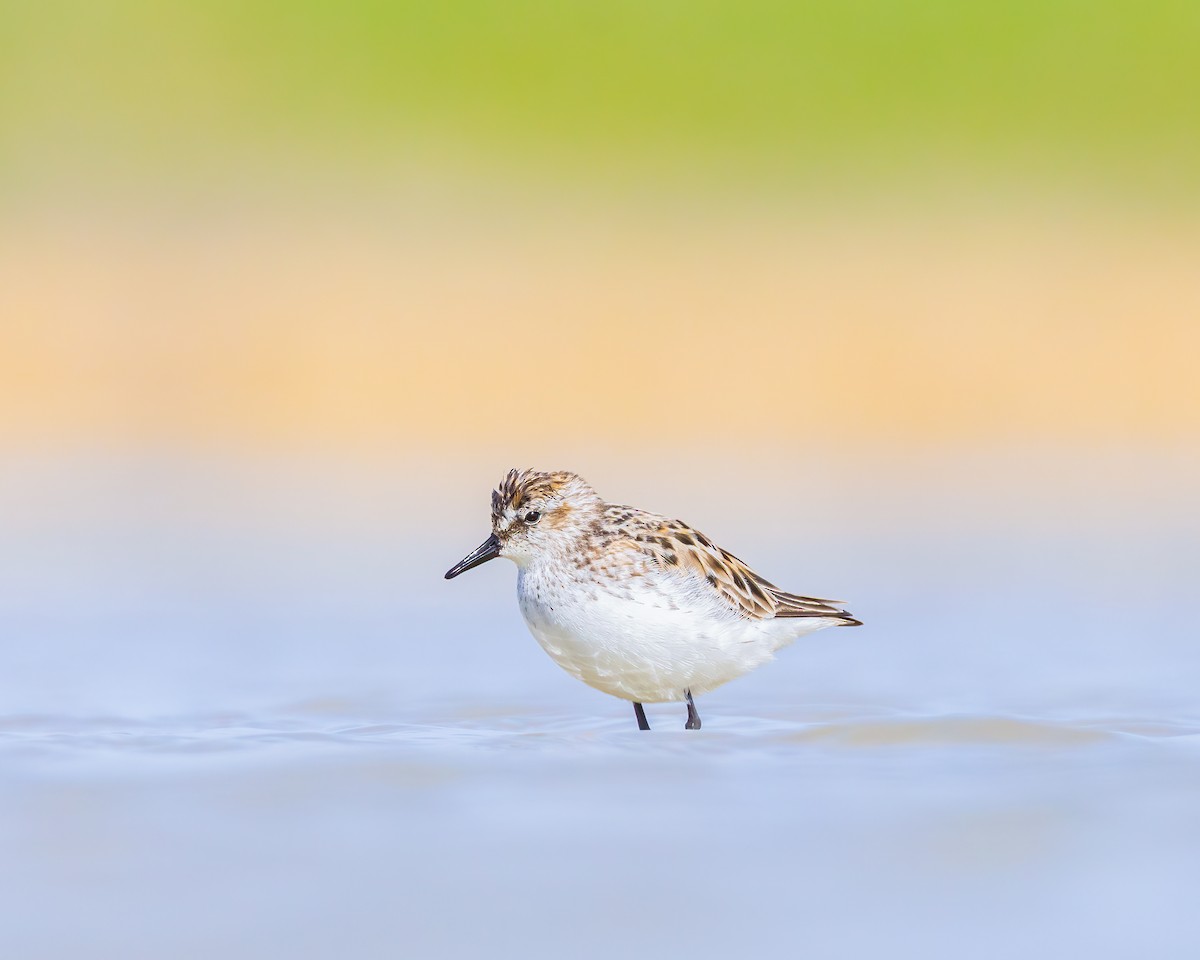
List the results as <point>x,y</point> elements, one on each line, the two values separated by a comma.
<point>240,721</point>
<point>837,833</point>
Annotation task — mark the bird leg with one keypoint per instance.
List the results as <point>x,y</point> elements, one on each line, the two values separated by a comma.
<point>693,720</point>
<point>641,717</point>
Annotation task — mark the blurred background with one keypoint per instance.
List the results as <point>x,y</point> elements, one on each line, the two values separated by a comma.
<point>899,301</point>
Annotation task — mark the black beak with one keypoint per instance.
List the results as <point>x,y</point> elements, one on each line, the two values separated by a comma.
<point>488,550</point>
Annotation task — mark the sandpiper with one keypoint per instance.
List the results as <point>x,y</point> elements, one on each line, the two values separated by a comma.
<point>634,604</point>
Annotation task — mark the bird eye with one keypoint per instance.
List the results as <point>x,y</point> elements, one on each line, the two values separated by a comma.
<point>532,516</point>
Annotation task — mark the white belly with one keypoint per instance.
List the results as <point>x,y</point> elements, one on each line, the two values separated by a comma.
<point>644,645</point>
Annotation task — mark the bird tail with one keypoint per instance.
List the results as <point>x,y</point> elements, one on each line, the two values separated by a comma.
<point>791,605</point>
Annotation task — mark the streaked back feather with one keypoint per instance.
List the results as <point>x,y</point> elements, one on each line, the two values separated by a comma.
<point>675,546</point>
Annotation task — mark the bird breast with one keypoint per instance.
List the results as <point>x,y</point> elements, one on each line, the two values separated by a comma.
<point>645,641</point>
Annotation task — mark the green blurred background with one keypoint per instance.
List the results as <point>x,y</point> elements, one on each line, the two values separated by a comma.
<point>788,90</point>
<point>361,224</point>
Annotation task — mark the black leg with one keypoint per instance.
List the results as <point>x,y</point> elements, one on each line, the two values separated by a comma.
<point>641,717</point>
<point>693,721</point>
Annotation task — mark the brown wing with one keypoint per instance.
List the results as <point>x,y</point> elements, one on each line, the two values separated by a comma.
<point>673,543</point>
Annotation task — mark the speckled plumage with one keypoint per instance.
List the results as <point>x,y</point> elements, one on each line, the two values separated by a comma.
<point>632,603</point>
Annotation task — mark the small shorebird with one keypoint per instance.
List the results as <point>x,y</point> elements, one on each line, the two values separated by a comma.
<point>631,603</point>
